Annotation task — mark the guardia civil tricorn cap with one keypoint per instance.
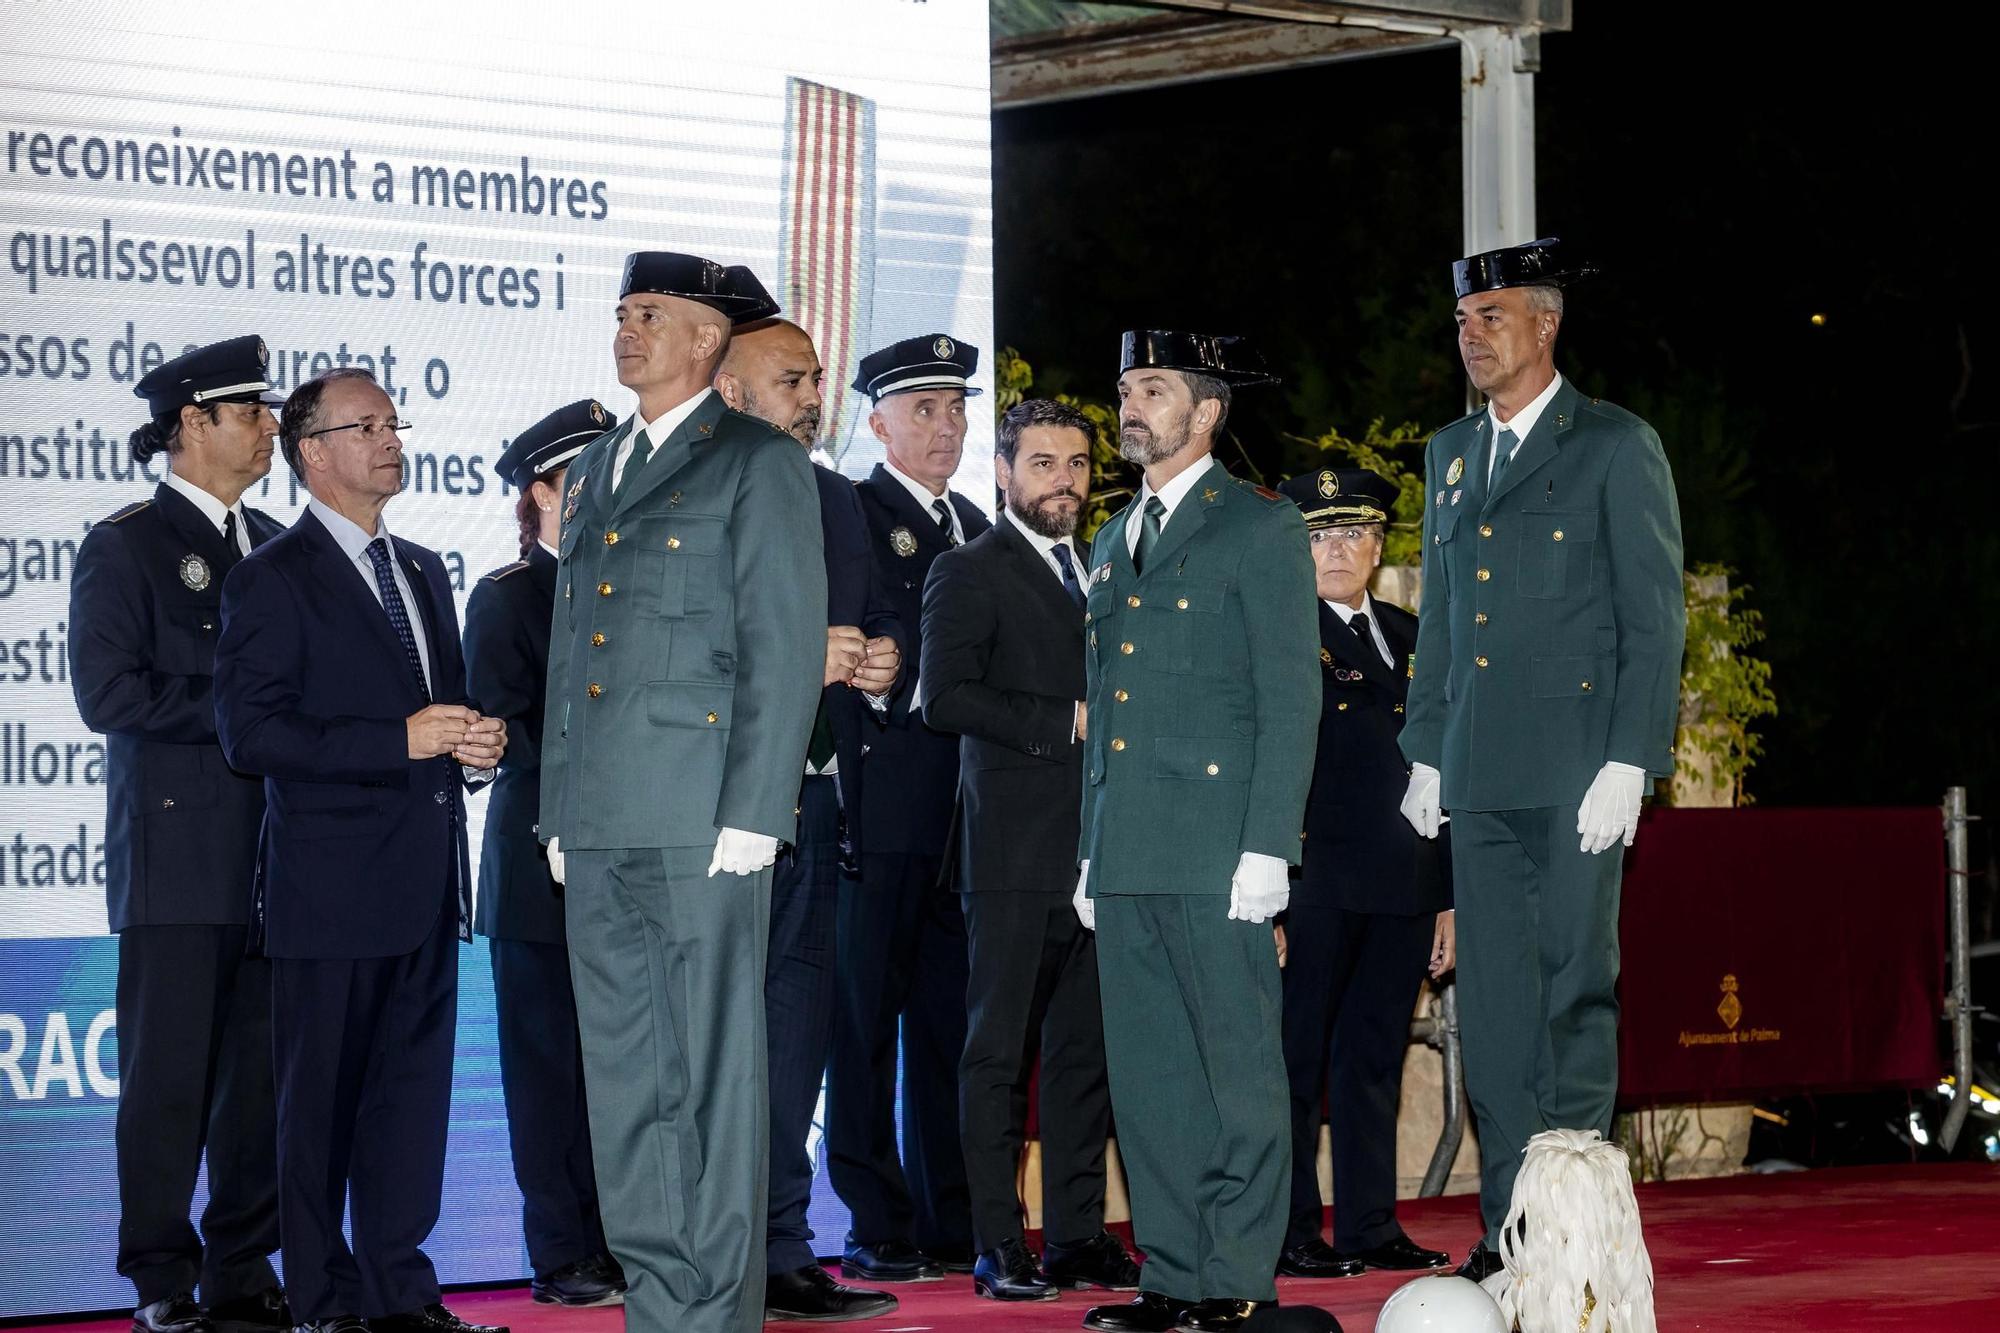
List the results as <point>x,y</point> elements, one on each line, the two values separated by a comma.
<point>1543,263</point>
<point>1341,497</point>
<point>1219,356</point>
<point>231,371</point>
<point>553,441</point>
<point>692,278</point>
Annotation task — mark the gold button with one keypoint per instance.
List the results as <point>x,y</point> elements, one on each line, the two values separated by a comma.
<point>1132,600</point>
<point>673,543</point>
<point>1486,529</point>
<point>1118,744</point>
<point>713,718</point>
<point>1342,706</point>
<point>597,640</point>
<point>1399,708</point>
<point>1181,604</point>
<point>1559,534</point>
<point>1125,648</point>
<point>1586,687</point>
<point>1479,661</point>
<point>594,689</point>
<point>1121,696</point>
<point>1484,575</point>
<point>1479,618</point>
<point>610,539</point>
<point>603,590</point>
<point>1213,769</point>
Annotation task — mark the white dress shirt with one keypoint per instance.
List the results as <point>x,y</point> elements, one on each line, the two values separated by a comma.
<point>657,431</point>
<point>1170,495</point>
<point>1047,546</point>
<point>1367,608</point>
<point>1521,422</point>
<point>925,500</point>
<point>354,543</point>
<point>213,509</point>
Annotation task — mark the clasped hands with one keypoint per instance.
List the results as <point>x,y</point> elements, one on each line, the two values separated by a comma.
<point>458,730</point>
<point>1608,815</point>
<point>869,665</point>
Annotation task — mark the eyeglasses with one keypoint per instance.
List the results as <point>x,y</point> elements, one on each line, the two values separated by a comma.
<point>1345,536</point>
<point>374,432</point>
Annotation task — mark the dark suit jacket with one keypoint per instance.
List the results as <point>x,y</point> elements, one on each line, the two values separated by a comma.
<point>1003,666</point>
<point>180,827</point>
<point>854,596</point>
<point>362,845</point>
<point>1360,853</point>
<point>911,769</point>
<point>507,670</point>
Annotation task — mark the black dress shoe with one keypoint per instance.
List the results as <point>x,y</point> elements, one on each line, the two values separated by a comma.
<point>1316,1258</point>
<point>1148,1312</point>
<point>810,1294</point>
<point>1482,1263</point>
<point>1220,1316</point>
<point>430,1319</point>
<point>1008,1272</point>
<point>1100,1261</point>
<point>952,1258</point>
<point>335,1323</point>
<point>175,1314</point>
<point>585,1282</point>
<point>252,1314</point>
<point>1400,1254</point>
<point>888,1261</point>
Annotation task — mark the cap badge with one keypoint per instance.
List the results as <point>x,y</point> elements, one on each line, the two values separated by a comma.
<point>1455,471</point>
<point>943,347</point>
<point>597,412</point>
<point>195,572</point>
<point>1329,485</point>
<point>263,353</point>
<point>901,540</point>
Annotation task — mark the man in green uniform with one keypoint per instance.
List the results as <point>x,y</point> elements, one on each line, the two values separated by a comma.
<point>684,670</point>
<point>1203,699</point>
<point>1543,706</point>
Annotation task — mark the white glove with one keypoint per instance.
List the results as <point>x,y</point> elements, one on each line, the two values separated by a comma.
<point>741,853</point>
<point>556,871</point>
<point>1420,800</point>
<point>1610,809</point>
<point>1086,910</point>
<point>1259,889</point>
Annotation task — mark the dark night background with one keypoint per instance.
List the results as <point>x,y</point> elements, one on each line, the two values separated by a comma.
<point>1733,181</point>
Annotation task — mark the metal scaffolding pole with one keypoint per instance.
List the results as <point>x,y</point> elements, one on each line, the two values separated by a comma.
<point>1958,1006</point>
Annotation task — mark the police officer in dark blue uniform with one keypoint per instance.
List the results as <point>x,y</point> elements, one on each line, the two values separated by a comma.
<point>194,1010</point>
<point>1372,906</point>
<point>901,931</point>
<point>520,908</point>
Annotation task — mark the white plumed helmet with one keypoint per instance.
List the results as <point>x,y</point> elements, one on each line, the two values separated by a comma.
<point>1440,1305</point>
<point>1575,1259</point>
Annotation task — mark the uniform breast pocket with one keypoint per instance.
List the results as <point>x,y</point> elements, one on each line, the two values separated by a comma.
<point>1444,539</point>
<point>1557,547</point>
<point>691,582</point>
<point>1186,613</point>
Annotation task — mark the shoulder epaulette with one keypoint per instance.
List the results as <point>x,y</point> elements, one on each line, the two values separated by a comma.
<point>1264,493</point>
<point>127,511</point>
<point>504,571</point>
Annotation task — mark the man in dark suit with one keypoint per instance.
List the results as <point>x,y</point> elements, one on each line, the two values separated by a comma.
<point>900,931</point>
<point>1372,905</point>
<point>339,678</point>
<point>1003,666</point>
<point>519,906</point>
<point>194,1012</point>
<point>772,371</point>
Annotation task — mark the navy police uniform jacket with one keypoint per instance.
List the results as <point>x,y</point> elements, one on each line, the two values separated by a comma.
<point>855,596</point>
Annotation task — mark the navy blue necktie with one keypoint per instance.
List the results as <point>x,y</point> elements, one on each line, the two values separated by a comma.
<point>1070,584</point>
<point>399,615</point>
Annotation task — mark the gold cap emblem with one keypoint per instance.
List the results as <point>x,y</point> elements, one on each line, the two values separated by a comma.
<point>943,347</point>
<point>597,411</point>
<point>1329,485</point>
<point>263,353</point>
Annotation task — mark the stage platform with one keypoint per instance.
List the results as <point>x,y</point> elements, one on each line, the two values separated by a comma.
<point>1836,1251</point>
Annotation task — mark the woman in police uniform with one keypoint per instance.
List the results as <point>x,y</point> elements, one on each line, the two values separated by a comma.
<point>520,908</point>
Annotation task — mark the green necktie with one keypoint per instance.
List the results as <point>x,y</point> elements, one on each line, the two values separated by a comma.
<point>1149,533</point>
<point>819,750</point>
<point>642,449</point>
<point>1504,444</point>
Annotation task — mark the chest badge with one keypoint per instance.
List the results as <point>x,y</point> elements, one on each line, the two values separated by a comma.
<point>1455,471</point>
<point>1325,658</point>
<point>1456,495</point>
<point>577,489</point>
<point>195,572</point>
<point>903,542</point>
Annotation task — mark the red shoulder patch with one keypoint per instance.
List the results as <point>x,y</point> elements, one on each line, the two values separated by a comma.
<point>1267,492</point>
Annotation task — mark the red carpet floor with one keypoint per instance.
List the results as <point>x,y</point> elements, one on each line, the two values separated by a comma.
<point>1827,1251</point>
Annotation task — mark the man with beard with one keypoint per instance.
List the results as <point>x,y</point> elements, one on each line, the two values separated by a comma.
<point>1553,622</point>
<point>1203,701</point>
<point>1003,667</point>
<point>772,371</point>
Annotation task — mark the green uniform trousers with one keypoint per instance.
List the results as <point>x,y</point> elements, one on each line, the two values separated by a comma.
<point>1193,1041</point>
<point>1537,984</point>
<point>668,967</point>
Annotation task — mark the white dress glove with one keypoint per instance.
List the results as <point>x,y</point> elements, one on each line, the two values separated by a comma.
<point>741,853</point>
<point>1086,910</point>
<point>1259,889</point>
<point>1420,800</point>
<point>1610,809</point>
<point>556,871</point>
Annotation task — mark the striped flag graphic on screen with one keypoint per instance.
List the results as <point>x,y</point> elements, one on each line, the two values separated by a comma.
<point>826,257</point>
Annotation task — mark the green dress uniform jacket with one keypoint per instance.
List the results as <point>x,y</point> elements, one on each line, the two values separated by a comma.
<point>670,612</point>
<point>1553,613</point>
<point>1204,692</point>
